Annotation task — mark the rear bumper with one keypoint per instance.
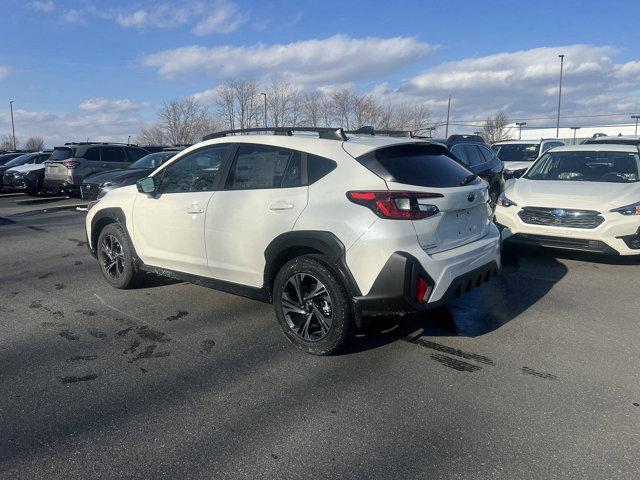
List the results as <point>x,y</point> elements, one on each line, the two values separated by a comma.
<point>63,185</point>
<point>395,289</point>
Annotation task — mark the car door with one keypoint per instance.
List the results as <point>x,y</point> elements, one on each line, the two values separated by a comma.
<point>264,194</point>
<point>168,226</point>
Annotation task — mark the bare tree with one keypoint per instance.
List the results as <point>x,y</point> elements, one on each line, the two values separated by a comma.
<point>6,142</point>
<point>184,121</point>
<point>238,105</point>
<point>152,135</point>
<point>495,129</point>
<point>285,104</point>
<point>34,144</point>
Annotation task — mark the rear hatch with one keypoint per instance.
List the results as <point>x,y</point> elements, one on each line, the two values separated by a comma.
<point>54,166</point>
<point>459,195</point>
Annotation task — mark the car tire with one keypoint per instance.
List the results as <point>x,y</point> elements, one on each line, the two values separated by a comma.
<point>115,257</point>
<point>313,306</point>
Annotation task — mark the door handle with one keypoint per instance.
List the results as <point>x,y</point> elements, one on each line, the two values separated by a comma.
<point>195,208</point>
<point>281,206</point>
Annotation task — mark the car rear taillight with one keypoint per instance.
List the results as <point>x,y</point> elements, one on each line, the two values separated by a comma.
<point>422,289</point>
<point>396,205</point>
<point>71,163</point>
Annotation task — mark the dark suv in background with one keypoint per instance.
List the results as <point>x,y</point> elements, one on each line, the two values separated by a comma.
<point>71,163</point>
<point>477,156</point>
<point>96,186</point>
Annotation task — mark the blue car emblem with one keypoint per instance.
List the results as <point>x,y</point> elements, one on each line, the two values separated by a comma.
<point>471,197</point>
<point>558,212</point>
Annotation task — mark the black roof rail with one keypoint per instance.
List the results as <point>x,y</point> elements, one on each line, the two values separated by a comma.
<point>102,143</point>
<point>369,130</point>
<point>328,133</point>
<point>464,138</point>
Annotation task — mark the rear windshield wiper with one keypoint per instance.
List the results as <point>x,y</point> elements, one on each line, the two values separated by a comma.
<point>468,179</point>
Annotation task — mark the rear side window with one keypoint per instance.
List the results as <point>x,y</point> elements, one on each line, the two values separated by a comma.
<point>92,154</point>
<point>113,154</point>
<point>259,166</point>
<point>135,153</point>
<point>487,153</point>
<point>422,165</point>
<point>460,154</point>
<point>62,153</point>
<point>474,155</point>
<point>318,167</point>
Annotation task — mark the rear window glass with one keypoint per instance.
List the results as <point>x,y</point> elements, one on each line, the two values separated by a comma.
<point>21,160</point>
<point>517,152</point>
<point>62,153</point>
<point>416,164</point>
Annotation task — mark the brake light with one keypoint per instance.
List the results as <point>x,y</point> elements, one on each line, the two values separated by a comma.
<point>422,289</point>
<point>396,205</point>
<point>71,163</point>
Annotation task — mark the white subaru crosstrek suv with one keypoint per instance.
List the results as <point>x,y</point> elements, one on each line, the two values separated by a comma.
<point>329,228</point>
<point>584,197</point>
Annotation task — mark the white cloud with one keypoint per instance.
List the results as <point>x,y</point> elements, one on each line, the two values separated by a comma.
<point>135,19</point>
<point>98,119</point>
<point>336,59</point>
<point>105,104</point>
<point>74,16</point>
<point>5,70</point>
<point>42,6</point>
<point>225,18</point>
<point>525,84</point>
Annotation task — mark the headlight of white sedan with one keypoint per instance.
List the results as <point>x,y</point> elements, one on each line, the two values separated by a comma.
<point>633,209</point>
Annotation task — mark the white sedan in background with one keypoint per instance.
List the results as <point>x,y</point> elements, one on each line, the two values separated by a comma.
<point>584,197</point>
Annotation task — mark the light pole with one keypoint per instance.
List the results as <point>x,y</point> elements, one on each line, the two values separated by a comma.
<point>574,133</point>
<point>13,128</point>
<point>430,131</point>
<point>520,125</point>
<point>636,117</point>
<point>446,129</point>
<point>265,109</point>
<point>559,95</point>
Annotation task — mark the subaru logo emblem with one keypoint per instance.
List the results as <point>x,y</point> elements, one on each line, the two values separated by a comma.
<point>558,212</point>
<point>471,197</point>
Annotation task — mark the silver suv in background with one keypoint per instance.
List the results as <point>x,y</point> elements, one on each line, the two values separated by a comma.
<point>72,162</point>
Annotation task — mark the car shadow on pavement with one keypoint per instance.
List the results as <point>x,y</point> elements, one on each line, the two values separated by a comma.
<point>527,276</point>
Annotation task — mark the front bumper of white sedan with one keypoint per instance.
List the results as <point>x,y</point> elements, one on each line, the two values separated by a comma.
<point>614,234</point>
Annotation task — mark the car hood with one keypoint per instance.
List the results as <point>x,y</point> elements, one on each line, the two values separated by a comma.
<point>27,168</point>
<point>516,165</point>
<point>599,196</point>
<point>116,175</point>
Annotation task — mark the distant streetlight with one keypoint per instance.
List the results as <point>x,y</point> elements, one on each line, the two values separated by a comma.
<point>265,109</point>
<point>13,128</point>
<point>520,125</point>
<point>430,131</point>
<point>129,140</point>
<point>636,117</point>
<point>446,129</point>
<point>574,133</point>
<point>559,95</point>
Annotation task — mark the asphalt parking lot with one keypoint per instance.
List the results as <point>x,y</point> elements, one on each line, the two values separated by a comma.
<point>535,375</point>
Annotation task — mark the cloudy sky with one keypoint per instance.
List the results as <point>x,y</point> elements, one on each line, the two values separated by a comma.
<point>99,69</point>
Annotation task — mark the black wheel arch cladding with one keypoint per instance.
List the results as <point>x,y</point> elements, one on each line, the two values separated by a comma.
<point>281,248</point>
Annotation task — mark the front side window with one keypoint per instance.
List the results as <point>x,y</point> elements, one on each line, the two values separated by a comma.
<point>260,166</point>
<point>42,158</point>
<point>195,172</point>
<point>615,167</point>
<point>517,152</point>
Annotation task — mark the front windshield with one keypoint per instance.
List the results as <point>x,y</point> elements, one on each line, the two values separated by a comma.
<point>21,160</point>
<point>615,167</point>
<point>152,160</point>
<point>517,152</point>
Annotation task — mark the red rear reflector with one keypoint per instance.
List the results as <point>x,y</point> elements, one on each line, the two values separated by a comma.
<point>396,205</point>
<point>422,289</point>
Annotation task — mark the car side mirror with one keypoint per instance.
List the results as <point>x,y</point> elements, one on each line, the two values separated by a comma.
<point>147,185</point>
<point>519,173</point>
